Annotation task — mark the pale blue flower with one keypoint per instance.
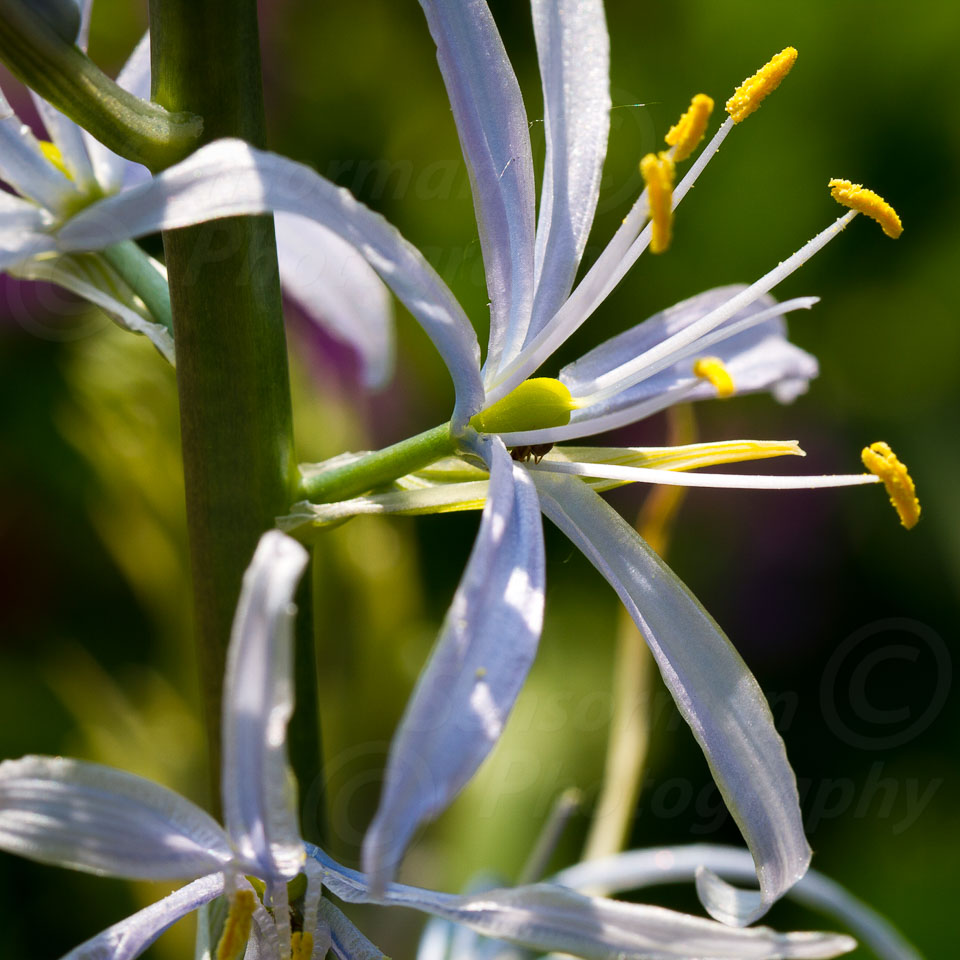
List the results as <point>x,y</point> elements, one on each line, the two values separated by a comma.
<point>104,821</point>
<point>490,634</point>
<point>53,180</point>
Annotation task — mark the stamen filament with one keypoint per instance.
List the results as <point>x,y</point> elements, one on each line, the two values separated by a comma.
<point>605,471</point>
<point>664,353</point>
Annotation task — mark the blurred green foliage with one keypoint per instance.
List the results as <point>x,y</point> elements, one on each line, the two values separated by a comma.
<point>848,621</point>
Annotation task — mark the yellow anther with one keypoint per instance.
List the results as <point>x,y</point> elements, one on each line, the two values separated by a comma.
<point>713,370</point>
<point>748,96</point>
<point>236,931</point>
<point>52,152</point>
<point>879,459</point>
<point>688,131</point>
<point>657,170</point>
<point>859,198</point>
<point>301,946</point>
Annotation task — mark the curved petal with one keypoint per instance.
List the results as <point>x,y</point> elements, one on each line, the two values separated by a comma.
<point>113,171</point>
<point>231,178</point>
<point>713,689</point>
<point>23,230</point>
<point>93,818</point>
<point>548,917</point>
<point>573,48</point>
<point>480,662</point>
<point>338,290</point>
<point>346,941</point>
<point>259,804</point>
<point>90,277</point>
<point>495,139</point>
<point>129,938</point>
<point>643,868</point>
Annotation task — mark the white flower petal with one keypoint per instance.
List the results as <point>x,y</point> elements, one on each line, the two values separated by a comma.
<point>231,178</point>
<point>339,291</point>
<point>713,689</point>
<point>547,917</point>
<point>495,139</point>
<point>113,171</point>
<point>93,818</point>
<point>573,48</point>
<point>480,662</point>
<point>24,167</point>
<point>130,937</point>
<point>346,941</point>
<point>23,233</point>
<point>636,869</point>
<point>259,805</point>
<point>68,138</point>
<point>86,11</point>
<point>90,277</point>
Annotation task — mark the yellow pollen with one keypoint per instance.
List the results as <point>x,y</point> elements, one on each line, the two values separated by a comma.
<point>859,198</point>
<point>748,96</point>
<point>713,370</point>
<point>879,459</point>
<point>236,931</point>
<point>657,170</point>
<point>52,152</point>
<point>301,946</point>
<point>688,131</point>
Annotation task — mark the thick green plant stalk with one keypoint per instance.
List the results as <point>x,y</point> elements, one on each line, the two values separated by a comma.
<point>232,375</point>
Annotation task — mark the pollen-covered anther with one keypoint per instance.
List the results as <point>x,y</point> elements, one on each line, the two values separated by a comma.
<point>714,371</point>
<point>658,171</point>
<point>301,946</point>
<point>236,931</point>
<point>859,198</point>
<point>748,96</point>
<point>52,152</point>
<point>688,131</point>
<point>879,459</point>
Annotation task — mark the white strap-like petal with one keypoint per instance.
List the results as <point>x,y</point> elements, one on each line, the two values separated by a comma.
<point>129,938</point>
<point>86,12</point>
<point>90,277</point>
<point>573,48</point>
<point>495,139</point>
<point>24,167</point>
<point>548,917</point>
<point>22,231</point>
<point>259,801</point>
<point>339,291</point>
<point>636,869</point>
<point>480,662</point>
<point>93,818</point>
<point>346,941</point>
<point>69,140</point>
<point>713,689</point>
<point>113,171</point>
<point>231,178</point>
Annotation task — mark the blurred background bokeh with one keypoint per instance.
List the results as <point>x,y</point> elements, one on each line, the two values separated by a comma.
<point>848,621</point>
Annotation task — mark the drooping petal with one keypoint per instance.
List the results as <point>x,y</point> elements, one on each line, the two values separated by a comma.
<point>573,48</point>
<point>548,917</point>
<point>111,170</point>
<point>636,869</point>
<point>339,291</point>
<point>259,802</point>
<point>24,167</point>
<point>129,938</point>
<point>713,689</point>
<point>91,277</point>
<point>476,670</point>
<point>231,178</point>
<point>93,818</point>
<point>346,941</point>
<point>495,139</point>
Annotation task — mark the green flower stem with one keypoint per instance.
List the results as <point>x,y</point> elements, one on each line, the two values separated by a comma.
<point>232,374</point>
<point>134,266</point>
<point>75,85</point>
<point>378,468</point>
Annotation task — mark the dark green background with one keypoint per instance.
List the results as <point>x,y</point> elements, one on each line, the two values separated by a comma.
<point>819,590</point>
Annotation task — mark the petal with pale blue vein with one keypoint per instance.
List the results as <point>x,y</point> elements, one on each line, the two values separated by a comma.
<point>475,672</point>
<point>259,796</point>
<point>93,818</point>
<point>713,688</point>
<point>495,138</point>
<point>231,178</point>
